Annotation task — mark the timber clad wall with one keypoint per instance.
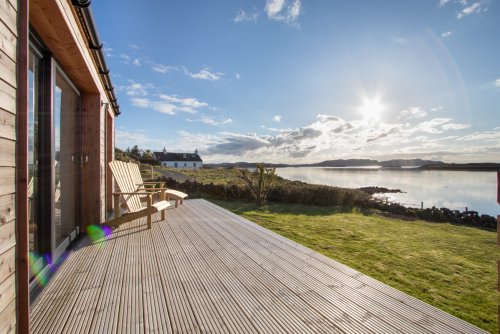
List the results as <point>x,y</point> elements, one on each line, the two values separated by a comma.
<point>8,84</point>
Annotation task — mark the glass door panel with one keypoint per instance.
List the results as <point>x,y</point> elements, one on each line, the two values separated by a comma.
<point>34,68</point>
<point>67,181</point>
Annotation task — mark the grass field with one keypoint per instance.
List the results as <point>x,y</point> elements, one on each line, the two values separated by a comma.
<point>449,266</point>
<point>210,175</point>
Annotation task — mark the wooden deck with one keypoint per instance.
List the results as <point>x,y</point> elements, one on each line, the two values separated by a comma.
<point>207,270</point>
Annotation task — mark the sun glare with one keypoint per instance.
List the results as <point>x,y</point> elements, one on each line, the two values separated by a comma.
<point>371,109</point>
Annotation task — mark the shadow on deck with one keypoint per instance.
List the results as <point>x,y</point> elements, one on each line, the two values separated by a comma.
<point>207,270</point>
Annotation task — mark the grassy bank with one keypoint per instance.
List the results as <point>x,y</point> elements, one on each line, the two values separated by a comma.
<point>449,266</point>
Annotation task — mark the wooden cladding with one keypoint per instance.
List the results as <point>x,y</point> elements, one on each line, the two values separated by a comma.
<point>8,91</point>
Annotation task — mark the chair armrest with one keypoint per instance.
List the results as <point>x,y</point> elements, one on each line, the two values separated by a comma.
<point>134,193</point>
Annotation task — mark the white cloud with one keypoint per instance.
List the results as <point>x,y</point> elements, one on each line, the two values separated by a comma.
<point>476,7</point>
<point>493,135</point>
<point>455,126</point>
<point>163,68</point>
<point>205,74</point>
<point>140,102</point>
<point>238,76</point>
<point>186,102</point>
<point>443,2</point>
<point>170,104</point>
<point>437,108</point>
<point>446,33</point>
<point>165,108</point>
<point>327,137</point>
<point>211,121</point>
<point>136,89</point>
<point>135,47</point>
<point>283,10</point>
<point>124,58</point>
<point>412,113</point>
<point>126,139</point>
<point>277,118</point>
<point>497,83</point>
<point>432,126</point>
<point>243,16</point>
<point>137,62</point>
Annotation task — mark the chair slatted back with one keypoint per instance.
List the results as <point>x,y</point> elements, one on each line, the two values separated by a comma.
<point>135,174</point>
<point>122,175</point>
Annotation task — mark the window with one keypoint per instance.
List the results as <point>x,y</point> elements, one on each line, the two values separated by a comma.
<point>54,158</point>
<point>34,95</point>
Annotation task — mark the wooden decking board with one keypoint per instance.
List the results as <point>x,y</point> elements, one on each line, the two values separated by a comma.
<point>179,308</point>
<point>207,270</point>
<point>131,318</point>
<point>155,306</point>
<point>234,317</point>
<point>209,261</point>
<point>353,294</point>
<point>86,303</point>
<point>208,319</point>
<point>431,316</point>
<point>374,290</point>
<point>315,321</point>
<point>106,312</point>
<point>358,322</point>
<point>56,294</point>
<point>260,256</point>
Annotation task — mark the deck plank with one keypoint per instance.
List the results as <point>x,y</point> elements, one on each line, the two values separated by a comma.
<point>207,270</point>
<point>428,316</point>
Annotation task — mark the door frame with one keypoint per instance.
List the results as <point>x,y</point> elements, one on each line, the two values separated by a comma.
<point>45,210</point>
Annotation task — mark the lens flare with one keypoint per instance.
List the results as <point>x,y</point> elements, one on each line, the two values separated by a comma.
<point>42,267</point>
<point>98,234</point>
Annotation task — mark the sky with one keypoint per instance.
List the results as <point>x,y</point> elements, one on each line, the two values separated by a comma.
<point>296,81</point>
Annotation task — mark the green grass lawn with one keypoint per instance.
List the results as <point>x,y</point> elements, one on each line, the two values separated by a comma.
<point>209,175</point>
<point>449,266</point>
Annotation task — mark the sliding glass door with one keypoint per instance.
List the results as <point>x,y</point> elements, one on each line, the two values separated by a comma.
<point>67,162</point>
<point>54,161</point>
<point>34,81</point>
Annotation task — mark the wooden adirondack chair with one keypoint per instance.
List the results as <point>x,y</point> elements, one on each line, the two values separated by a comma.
<point>132,196</point>
<point>176,195</point>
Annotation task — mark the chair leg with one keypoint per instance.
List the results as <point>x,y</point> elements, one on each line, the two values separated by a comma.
<point>176,203</point>
<point>163,214</point>
<point>150,203</point>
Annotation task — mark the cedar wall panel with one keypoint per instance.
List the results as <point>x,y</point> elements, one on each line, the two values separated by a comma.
<point>102,153</point>
<point>8,84</point>
<point>92,212</point>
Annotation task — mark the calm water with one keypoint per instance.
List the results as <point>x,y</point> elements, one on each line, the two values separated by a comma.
<point>451,189</point>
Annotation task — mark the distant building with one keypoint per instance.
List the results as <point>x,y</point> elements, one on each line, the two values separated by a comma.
<point>179,160</point>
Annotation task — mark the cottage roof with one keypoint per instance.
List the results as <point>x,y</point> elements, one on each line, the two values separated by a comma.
<point>161,156</point>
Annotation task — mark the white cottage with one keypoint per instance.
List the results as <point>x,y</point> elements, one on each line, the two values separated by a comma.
<point>179,160</point>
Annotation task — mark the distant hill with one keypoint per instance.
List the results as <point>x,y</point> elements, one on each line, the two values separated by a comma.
<point>397,163</point>
<point>488,166</point>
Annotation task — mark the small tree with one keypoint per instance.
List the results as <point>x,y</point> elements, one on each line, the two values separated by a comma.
<point>259,182</point>
<point>135,152</point>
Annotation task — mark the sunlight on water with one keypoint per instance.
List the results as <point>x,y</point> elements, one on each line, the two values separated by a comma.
<point>452,189</point>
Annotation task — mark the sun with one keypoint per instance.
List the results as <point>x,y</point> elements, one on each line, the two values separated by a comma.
<point>371,109</point>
